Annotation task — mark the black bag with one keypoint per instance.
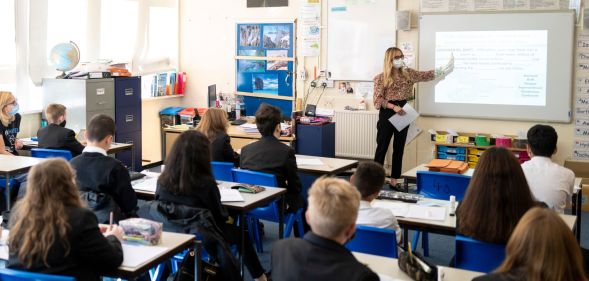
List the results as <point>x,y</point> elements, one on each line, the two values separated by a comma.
<point>208,271</point>
<point>417,268</point>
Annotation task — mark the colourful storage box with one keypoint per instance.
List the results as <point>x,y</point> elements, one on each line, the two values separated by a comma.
<point>475,151</point>
<point>481,140</point>
<point>450,149</point>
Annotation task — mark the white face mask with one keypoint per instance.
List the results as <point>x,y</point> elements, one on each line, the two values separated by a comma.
<point>398,63</point>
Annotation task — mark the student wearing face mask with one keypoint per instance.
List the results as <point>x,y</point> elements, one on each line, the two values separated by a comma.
<point>55,135</point>
<point>392,88</point>
<point>9,124</point>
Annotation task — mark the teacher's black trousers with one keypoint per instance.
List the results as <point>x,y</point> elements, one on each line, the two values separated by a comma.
<point>386,130</point>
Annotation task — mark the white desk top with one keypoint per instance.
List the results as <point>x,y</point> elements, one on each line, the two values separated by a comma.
<point>16,164</point>
<point>330,165</point>
<point>389,267</point>
<point>114,147</point>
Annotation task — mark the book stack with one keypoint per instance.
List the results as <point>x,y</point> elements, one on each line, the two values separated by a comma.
<point>249,128</point>
<point>168,84</point>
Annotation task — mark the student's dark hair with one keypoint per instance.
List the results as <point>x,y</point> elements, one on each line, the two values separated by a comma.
<point>368,178</point>
<point>100,127</point>
<point>497,197</point>
<point>542,140</point>
<point>188,166</point>
<point>267,117</point>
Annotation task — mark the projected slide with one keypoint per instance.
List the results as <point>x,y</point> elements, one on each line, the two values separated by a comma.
<point>493,67</point>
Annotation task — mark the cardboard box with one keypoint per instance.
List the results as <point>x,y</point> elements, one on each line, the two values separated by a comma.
<point>579,167</point>
<point>585,195</point>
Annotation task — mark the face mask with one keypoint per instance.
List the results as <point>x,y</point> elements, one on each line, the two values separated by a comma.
<point>398,63</point>
<point>14,110</point>
<point>62,124</point>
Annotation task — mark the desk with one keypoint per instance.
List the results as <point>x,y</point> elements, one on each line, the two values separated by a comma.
<point>447,226</point>
<point>145,189</point>
<point>332,166</point>
<point>239,138</point>
<point>174,242</point>
<point>411,175</point>
<point>12,165</point>
<point>389,267</point>
<point>115,147</point>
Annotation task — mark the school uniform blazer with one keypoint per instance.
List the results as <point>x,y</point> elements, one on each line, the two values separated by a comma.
<point>315,258</point>
<point>90,256</point>
<point>222,151</point>
<point>269,155</point>
<point>512,275</point>
<point>99,177</point>
<point>56,137</point>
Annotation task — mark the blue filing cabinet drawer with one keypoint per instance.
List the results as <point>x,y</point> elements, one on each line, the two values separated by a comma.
<point>316,140</point>
<point>126,156</point>
<point>128,119</point>
<point>128,91</point>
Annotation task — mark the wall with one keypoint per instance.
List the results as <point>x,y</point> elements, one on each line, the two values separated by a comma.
<point>207,48</point>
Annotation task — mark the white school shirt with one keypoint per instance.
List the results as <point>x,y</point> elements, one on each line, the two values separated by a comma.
<point>378,217</point>
<point>94,149</point>
<point>549,182</point>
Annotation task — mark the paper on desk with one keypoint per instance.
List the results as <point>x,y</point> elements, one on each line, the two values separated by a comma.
<point>398,208</point>
<point>230,195</point>
<point>28,141</point>
<point>426,212</point>
<point>387,278</point>
<point>136,255</point>
<point>148,183</point>
<point>577,184</point>
<point>309,161</point>
<point>402,121</point>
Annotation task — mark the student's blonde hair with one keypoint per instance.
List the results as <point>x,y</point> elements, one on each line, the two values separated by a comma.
<point>390,72</point>
<point>5,99</point>
<point>333,206</point>
<point>543,247</point>
<point>40,218</point>
<point>213,123</point>
<point>54,111</point>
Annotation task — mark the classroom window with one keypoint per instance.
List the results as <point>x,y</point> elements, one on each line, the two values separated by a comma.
<point>7,46</point>
<point>118,29</point>
<point>67,21</point>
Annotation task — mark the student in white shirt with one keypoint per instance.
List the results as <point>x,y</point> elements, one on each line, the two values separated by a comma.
<point>548,181</point>
<point>369,179</point>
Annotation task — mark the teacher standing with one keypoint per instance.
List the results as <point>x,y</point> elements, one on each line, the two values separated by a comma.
<point>392,88</point>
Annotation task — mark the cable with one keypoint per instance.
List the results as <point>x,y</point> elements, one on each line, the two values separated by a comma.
<point>322,91</point>
<point>310,90</point>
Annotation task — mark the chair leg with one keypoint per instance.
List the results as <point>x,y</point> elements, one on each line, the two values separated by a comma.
<point>155,273</point>
<point>288,225</point>
<point>425,244</point>
<point>299,220</point>
<point>257,238</point>
<point>415,240</point>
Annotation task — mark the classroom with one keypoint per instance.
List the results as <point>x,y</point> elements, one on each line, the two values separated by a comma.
<point>294,140</point>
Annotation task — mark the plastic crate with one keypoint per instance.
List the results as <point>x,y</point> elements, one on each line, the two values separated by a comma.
<point>475,151</point>
<point>450,149</point>
<point>472,164</point>
<point>473,158</point>
<point>459,157</point>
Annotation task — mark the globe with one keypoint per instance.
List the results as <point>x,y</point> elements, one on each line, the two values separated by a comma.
<point>64,57</point>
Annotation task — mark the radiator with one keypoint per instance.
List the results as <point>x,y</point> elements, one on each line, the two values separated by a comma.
<point>355,134</point>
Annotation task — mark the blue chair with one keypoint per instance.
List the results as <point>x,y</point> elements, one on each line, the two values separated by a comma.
<point>222,171</point>
<point>17,275</point>
<point>374,241</point>
<point>476,255</point>
<point>48,153</point>
<point>438,185</point>
<point>269,212</point>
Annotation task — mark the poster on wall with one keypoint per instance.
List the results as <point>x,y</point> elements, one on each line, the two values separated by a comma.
<point>266,3</point>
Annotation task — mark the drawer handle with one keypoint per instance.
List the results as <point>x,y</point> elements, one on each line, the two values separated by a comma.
<point>129,118</point>
<point>129,142</point>
<point>128,91</point>
<point>101,103</point>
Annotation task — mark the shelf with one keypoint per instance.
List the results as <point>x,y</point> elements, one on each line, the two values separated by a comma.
<point>161,98</point>
<point>476,146</point>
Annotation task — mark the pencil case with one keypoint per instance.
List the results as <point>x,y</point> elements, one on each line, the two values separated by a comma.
<point>142,231</point>
<point>417,268</point>
<point>248,188</point>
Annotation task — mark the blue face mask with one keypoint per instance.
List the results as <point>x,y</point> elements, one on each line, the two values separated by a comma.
<point>14,110</point>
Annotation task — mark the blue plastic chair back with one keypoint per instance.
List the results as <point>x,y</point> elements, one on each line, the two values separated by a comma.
<point>48,153</point>
<point>478,256</point>
<point>17,275</point>
<point>375,241</point>
<point>438,185</point>
<point>222,171</point>
<point>253,177</point>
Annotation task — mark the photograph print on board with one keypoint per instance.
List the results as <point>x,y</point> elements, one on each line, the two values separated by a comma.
<point>277,36</point>
<point>249,35</point>
<point>277,64</point>
<point>251,66</point>
<point>265,83</point>
<point>251,53</point>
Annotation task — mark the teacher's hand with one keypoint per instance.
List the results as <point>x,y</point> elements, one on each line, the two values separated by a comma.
<point>397,109</point>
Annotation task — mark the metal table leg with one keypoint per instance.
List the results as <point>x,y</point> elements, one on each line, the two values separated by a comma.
<point>197,259</point>
<point>7,191</point>
<point>242,230</point>
<point>281,219</point>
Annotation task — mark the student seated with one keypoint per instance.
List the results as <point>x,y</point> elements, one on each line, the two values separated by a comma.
<point>369,179</point>
<point>549,182</point>
<point>55,135</point>
<point>269,155</point>
<point>497,197</point>
<point>321,255</point>
<point>186,187</point>
<point>52,232</point>
<point>9,124</point>
<point>104,181</point>
<point>542,247</point>
<point>214,125</point>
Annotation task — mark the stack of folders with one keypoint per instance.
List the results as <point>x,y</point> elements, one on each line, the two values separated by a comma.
<point>249,128</point>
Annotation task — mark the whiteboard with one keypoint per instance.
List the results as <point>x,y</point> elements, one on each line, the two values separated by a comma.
<point>481,89</point>
<point>358,34</point>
